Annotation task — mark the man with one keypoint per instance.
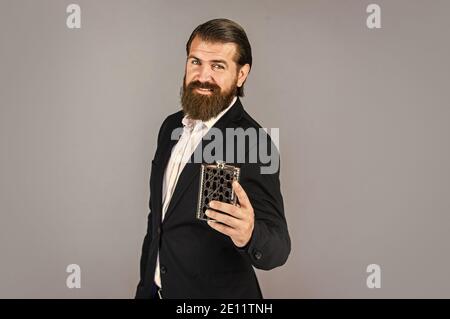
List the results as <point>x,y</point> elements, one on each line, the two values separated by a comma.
<point>182,256</point>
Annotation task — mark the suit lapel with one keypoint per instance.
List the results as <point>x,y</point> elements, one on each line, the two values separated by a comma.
<point>161,164</point>
<point>192,170</point>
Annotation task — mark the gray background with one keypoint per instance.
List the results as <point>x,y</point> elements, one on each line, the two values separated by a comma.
<point>363,117</point>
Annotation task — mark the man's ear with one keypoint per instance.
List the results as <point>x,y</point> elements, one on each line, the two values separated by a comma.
<point>242,74</point>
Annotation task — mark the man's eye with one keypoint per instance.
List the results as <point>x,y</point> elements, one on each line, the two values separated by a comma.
<point>195,62</point>
<point>217,66</point>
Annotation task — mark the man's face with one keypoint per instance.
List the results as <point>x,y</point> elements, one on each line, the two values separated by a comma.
<point>211,78</point>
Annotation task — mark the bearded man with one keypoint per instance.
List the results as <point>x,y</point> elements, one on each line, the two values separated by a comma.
<point>185,257</point>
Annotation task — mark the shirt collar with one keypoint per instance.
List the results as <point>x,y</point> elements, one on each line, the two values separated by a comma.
<point>210,123</point>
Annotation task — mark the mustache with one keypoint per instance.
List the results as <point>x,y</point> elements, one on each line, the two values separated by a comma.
<point>203,85</point>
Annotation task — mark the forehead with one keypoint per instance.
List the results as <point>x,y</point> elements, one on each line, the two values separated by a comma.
<point>212,50</point>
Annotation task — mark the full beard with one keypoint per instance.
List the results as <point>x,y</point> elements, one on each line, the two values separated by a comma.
<point>203,107</point>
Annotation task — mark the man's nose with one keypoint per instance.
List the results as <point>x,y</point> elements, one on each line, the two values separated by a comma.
<point>205,74</point>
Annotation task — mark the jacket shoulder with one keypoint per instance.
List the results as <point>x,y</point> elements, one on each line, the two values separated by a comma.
<point>174,118</point>
<point>170,122</point>
<point>247,121</point>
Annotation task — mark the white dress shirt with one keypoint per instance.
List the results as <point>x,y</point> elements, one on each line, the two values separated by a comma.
<point>193,132</point>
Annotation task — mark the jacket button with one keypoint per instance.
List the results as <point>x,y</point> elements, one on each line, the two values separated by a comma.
<point>163,269</point>
<point>159,230</point>
<point>257,255</point>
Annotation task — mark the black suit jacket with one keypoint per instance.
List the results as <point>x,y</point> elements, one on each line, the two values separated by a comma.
<point>196,261</point>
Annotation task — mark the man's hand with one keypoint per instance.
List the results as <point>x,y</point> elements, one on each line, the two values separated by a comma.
<point>239,222</point>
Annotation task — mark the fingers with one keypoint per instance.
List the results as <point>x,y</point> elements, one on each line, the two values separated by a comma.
<point>238,220</point>
<point>224,229</point>
<point>241,194</point>
<point>227,208</point>
<point>223,218</point>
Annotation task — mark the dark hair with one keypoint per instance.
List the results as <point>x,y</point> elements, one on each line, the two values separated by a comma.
<point>225,31</point>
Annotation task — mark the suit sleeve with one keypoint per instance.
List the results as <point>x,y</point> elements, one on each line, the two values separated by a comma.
<point>148,235</point>
<point>270,244</point>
